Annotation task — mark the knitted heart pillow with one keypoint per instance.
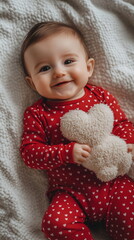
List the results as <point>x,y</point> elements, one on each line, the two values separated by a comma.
<point>109,157</point>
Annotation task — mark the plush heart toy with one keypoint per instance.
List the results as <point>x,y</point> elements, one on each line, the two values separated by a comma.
<point>109,157</point>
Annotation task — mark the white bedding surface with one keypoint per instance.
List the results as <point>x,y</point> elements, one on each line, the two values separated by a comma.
<point>108,28</point>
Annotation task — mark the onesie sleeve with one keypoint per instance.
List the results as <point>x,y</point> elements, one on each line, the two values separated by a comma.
<point>35,150</point>
<point>122,126</point>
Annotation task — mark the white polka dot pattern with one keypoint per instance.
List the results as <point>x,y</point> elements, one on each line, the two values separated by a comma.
<point>69,212</point>
<point>44,147</point>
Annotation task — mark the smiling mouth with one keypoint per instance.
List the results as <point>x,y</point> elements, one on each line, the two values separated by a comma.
<point>61,83</point>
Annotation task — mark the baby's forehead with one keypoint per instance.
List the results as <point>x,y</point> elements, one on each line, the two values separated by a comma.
<point>67,33</point>
<point>58,39</point>
<point>57,42</point>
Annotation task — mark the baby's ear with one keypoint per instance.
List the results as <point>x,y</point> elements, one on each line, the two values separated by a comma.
<point>30,82</point>
<point>90,66</point>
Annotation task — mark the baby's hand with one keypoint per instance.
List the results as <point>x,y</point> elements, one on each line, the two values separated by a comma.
<point>130,148</point>
<point>81,152</point>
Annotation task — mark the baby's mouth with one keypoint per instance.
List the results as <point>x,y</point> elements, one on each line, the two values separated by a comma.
<point>61,83</point>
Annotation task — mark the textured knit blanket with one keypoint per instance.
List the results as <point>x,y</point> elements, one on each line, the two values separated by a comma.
<point>108,28</point>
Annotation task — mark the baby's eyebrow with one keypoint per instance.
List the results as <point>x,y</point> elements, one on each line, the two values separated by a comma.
<point>70,55</point>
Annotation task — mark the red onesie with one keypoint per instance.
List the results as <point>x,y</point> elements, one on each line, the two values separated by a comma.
<point>77,197</point>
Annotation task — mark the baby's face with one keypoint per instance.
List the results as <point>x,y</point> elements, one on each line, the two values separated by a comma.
<point>58,67</point>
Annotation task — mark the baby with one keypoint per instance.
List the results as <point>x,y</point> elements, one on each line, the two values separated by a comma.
<point>57,65</point>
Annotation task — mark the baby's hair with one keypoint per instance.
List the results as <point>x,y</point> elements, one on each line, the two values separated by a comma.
<point>45,29</point>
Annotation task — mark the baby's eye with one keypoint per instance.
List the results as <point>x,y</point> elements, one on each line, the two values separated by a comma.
<point>45,68</point>
<point>68,61</point>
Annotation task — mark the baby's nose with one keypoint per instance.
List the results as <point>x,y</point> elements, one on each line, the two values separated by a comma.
<point>58,72</point>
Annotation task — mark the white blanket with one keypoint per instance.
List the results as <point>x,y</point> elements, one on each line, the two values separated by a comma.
<point>108,28</point>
